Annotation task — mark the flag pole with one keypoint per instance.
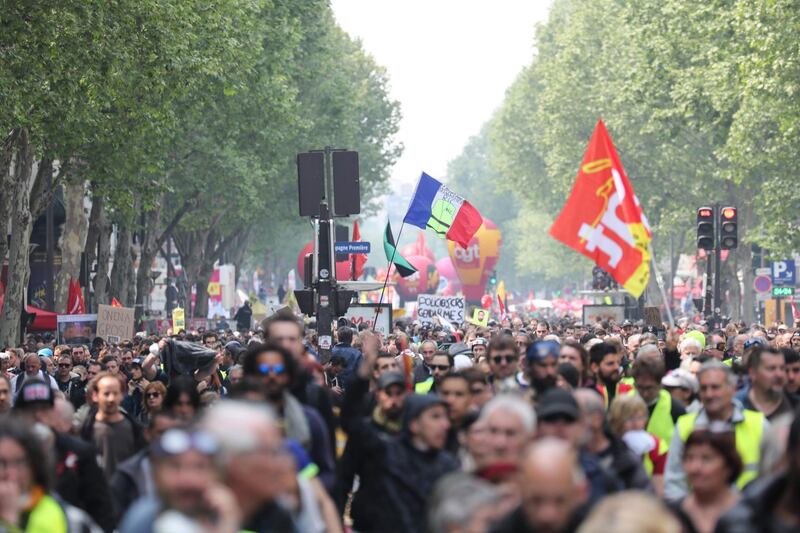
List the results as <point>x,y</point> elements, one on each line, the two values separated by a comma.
<point>388,271</point>
<point>659,283</point>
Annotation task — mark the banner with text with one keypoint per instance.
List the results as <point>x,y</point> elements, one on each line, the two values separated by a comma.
<point>366,314</point>
<point>450,309</point>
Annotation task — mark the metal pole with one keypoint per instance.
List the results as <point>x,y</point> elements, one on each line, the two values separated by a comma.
<point>324,287</point>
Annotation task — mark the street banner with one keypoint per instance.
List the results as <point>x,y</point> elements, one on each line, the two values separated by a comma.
<point>76,329</point>
<point>439,209</point>
<point>178,320</point>
<point>365,314</point>
<point>115,323</point>
<point>480,317</point>
<point>448,308</point>
<point>602,218</point>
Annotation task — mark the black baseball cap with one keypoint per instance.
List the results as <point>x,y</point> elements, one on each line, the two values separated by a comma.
<point>34,392</point>
<point>558,403</point>
<point>391,378</point>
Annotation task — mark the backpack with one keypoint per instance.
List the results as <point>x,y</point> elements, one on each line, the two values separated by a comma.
<point>24,376</point>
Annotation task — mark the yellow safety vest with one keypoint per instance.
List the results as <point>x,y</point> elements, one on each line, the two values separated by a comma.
<point>424,387</point>
<point>748,441</point>
<point>660,423</point>
<point>46,517</point>
<point>663,447</point>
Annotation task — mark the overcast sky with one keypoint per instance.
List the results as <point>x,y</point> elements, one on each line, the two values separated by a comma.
<point>449,64</point>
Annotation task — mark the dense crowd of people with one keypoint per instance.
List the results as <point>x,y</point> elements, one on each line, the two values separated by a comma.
<point>523,425</point>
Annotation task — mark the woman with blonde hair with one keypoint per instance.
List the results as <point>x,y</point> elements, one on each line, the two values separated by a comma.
<point>627,419</point>
<point>631,512</point>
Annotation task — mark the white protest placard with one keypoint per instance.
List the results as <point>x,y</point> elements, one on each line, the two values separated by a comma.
<point>115,323</point>
<point>448,308</point>
<point>365,314</point>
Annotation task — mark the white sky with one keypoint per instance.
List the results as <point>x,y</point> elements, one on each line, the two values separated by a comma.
<point>449,64</point>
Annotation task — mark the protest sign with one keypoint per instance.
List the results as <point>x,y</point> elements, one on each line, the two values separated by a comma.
<point>115,323</point>
<point>480,317</point>
<point>76,329</point>
<point>600,313</point>
<point>178,320</point>
<point>448,308</point>
<point>365,314</point>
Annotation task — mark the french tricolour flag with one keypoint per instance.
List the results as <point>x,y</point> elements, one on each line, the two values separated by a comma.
<point>439,209</point>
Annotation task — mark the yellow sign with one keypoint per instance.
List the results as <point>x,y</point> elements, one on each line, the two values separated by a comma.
<point>214,288</point>
<point>480,317</point>
<point>178,319</point>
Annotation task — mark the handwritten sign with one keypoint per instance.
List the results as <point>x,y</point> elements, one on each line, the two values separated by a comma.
<point>115,323</point>
<point>178,319</point>
<point>448,308</point>
<point>365,314</point>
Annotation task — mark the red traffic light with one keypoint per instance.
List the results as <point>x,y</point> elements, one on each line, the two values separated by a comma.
<point>729,213</point>
<point>705,212</point>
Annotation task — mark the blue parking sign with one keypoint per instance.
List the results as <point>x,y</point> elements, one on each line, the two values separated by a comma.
<point>783,272</point>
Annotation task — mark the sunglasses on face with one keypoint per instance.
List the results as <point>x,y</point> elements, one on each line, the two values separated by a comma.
<point>265,369</point>
<point>499,359</point>
<point>64,365</point>
<point>443,368</point>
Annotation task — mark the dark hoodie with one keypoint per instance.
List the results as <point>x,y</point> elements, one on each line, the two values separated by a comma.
<point>398,478</point>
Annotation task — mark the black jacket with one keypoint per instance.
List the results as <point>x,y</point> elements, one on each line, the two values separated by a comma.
<point>319,398</point>
<point>753,514</point>
<point>87,430</point>
<point>625,464</point>
<point>129,481</point>
<point>80,480</point>
<point>397,479</point>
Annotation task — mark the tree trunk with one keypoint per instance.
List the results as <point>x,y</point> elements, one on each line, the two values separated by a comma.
<point>122,273</point>
<point>103,258</point>
<point>73,240</point>
<point>7,188</point>
<point>18,252</point>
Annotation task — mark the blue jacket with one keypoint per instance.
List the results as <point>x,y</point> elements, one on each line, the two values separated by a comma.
<point>352,358</point>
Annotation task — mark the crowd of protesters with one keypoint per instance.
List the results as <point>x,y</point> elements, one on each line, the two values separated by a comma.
<point>521,426</point>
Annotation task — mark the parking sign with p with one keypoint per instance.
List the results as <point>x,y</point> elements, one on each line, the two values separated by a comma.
<point>783,272</point>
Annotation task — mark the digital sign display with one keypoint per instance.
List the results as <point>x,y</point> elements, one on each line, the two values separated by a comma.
<point>782,291</point>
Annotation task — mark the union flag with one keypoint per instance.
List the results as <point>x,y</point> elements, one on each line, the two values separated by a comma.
<point>602,218</point>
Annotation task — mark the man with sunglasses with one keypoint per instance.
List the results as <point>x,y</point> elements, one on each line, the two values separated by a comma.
<point>189,494</point>
<point>275,368</point>
<point>441,363</point>
<point>504,362</point>
<point>64,376</point>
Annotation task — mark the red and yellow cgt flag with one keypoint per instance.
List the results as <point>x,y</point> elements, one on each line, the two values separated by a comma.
<point>603,219</point>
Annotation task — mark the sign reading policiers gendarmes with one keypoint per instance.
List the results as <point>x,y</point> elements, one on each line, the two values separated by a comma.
<point>448,308</point>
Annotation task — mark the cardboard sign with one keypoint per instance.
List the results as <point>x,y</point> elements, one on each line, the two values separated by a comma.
<point>599,313</point>
<point>480,317</point>
<point>652,316</point>
<point>448,308</point>
<point>115,323</point>
<point>178,319</point>
<point>76,329</point>
<point>365,314</point>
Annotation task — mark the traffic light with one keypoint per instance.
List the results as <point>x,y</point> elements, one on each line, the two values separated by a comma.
<point>493,278</point>
<point>728,228</point>
<point>705,228</point>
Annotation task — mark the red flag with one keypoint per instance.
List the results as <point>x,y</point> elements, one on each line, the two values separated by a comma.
<point>358,260</point>
<point>115,303</point>
<point>502,306</point>
<point>75,305</point>
<point>602,218</point>
<point>2,295</point>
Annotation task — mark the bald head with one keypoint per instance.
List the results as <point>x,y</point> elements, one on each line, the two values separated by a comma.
<point>553,485</point>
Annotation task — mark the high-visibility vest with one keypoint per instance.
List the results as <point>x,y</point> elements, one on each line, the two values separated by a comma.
<point>660,423</point>
<point>424,387</point>
<point>748,434</point>
<point>628,381</point>
<point>661,448</point>
<point>621,390</point>
<point>47,515</point>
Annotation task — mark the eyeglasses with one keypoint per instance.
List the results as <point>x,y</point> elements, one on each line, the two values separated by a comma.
<point>265,369</point>
<point>177,441</point>
<point>443,368</point>
<point>64,365</point>
<point>153,395</point>
<point>499,359</point>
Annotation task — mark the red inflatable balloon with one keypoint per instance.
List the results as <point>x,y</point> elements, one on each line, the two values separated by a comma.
<point>486,301</point>
<point>424,281</point>
<point>449,284</point>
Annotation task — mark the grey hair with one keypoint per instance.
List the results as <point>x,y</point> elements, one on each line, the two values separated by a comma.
<point>513,404</point>
<point>690,341</point>
<point>590,401</point>
<point>646,349</point>
<point>235,424</point>
<point>456,499</point>
<point>712,365</point>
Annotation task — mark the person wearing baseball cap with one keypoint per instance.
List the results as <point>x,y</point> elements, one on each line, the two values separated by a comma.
<point>398,473</point>
<point>682,384</point>
<point>79,479</point>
